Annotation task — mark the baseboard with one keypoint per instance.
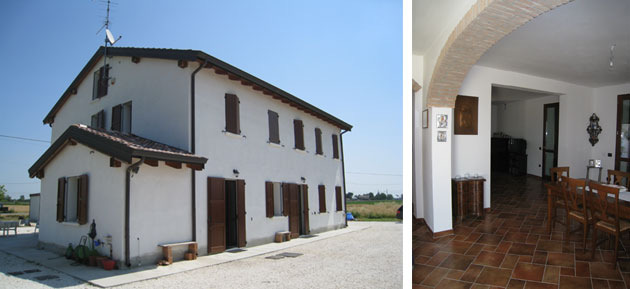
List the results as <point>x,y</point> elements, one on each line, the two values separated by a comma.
<point>421,220</point>
<point>534,176</point>
<point>439,234</point>
<point>487,210</point>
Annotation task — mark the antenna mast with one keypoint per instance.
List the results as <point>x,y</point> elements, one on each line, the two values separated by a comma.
<point>109,37</point>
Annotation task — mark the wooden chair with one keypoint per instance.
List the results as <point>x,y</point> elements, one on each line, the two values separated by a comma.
<point>605,213</point>
<point>575,205</point>
<point>618,178</point>
<point>557,174</point>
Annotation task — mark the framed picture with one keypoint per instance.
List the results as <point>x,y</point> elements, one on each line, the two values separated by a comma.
<point>442,121</point>
<point>425,118</point>
<point>465,115</point>
<point>441,137</point>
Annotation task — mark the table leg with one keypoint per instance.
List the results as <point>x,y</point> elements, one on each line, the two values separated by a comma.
<point>549,207</point>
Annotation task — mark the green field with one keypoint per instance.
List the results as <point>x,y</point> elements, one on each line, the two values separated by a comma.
<point>374,210</point>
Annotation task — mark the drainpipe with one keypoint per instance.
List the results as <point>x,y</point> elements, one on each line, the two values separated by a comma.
<point>343,169</point>
<point>134,167</point>
<point>193,190</point>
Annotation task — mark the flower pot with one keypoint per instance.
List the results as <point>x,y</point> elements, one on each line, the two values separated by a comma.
<point>92,261</point>
<point>99,260</point>
<point>108,264</point>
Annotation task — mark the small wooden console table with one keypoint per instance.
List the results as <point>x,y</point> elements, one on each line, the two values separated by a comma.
<point>467,197</point>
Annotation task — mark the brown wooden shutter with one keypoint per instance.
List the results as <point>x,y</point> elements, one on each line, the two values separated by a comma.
<point>306,212</point>
<point>61,199</point>
<point>285,199</point>
<point>241,218</point>
<point>318,141</point>
<point>82,202</point>
<point>274,132</point>
<point>116,117</point>
<point>339,199</point>
<point>103,81</point>
<point>335,144</point>
<point>298,131</point>
<point>232,114</point>
<point>101,119</point>
<point>216,215</point>
<point>322,198</point>
<point>269,198</point>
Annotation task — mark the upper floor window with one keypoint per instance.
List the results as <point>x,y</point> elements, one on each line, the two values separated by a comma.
<point>274,132</point>
<point>335,144</point>
<point>101,77</point>
<point>121,118</point>
<point>298,131</point>
<point>232,118</point>
<point>318,141</point>
<point>98,120</point>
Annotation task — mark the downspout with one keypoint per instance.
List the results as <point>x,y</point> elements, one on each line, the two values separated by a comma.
<point>343,170</point>
<point>134,167</point>
<point>193,190</point>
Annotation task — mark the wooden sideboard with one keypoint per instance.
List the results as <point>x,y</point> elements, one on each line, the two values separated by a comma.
<point>467,198</point>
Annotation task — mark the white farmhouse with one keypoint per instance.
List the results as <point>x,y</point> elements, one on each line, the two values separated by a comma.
<point>163,146</point>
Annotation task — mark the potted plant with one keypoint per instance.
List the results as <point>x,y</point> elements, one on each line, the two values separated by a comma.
<point>108,264</point>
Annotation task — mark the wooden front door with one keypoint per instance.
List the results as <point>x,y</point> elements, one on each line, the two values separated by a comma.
<point>622,146</point>
<point>294,211</point>
<point>305,212</point>
<point>216,215</point>
<point>240,208</point>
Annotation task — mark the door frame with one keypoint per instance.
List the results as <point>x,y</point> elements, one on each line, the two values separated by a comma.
<point>555,149</point>
<point>213,225</point>
<point>620,99</point>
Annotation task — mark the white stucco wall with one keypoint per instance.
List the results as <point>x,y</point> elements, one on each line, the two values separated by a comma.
<point>437,196</point>
<point>159,91</point>
<point>106,192</point>
<point>258,161</point>
<point>161,211</point>
<point>605,106</point>
<point>33,212</point>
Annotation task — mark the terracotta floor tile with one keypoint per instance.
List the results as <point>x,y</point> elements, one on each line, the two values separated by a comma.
<point>527,271</point>
<point>552,274</point>
<point>540,257</point>
<point>438,258</point>
<point>560,259</point>
<point>494,276</point>
<point>455,274</point>
<point>616,284</point>
<point>538,285</point>
<point>458,247</point>
<point>420,272</point>
<point>516,284</point>
<point>567,282</point>
<point>515,237</point>
<point>457,261</point>
<point>418,286</point>
<point>566,271</point>
<point>486,258</point>
<point>525,259</point>
<point>472,273</point>
<point>624,265</point>
<point>479,286</point>
<point>426,249</point>
<point>602,270</point>
<point>532,239</point>
<point>475,249</point>
<point>509,261</point>
<point>421,260</point>
<point>452,284</point>
<point>582,269</point>
<point>549,246</point>
<point>599,284</point>
<point>435,277</point>
<point>522,249</point>
<point>473,237</point>
<point>503,247</point>
<point>488,239</point>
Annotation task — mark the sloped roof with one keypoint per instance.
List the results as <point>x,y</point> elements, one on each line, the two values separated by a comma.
<point>219,66</point>
<point>121,146</point>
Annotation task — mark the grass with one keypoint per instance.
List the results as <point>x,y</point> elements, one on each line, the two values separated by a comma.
<point>18,208</point>
<point>374,210</point>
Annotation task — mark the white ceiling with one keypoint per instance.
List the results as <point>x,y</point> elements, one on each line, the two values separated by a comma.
<point>570,43</point>
<point>507,94</point>
<point>432,18</point>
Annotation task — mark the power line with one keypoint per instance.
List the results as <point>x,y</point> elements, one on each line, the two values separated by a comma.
<point>374,174</point>
<point>19,183</point>
<point>24,138</point>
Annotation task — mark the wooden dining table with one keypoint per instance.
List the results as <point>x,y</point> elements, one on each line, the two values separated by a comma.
<point>555,190</point>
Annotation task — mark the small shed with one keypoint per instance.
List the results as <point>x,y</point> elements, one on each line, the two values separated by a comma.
<point>33,215</point>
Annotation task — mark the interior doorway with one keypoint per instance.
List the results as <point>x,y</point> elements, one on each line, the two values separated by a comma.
<point>226,214</point>
<point>550,138</point>
<point>622,146</point>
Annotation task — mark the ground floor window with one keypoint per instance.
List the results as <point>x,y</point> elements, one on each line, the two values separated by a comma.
<point>274,199</point>
<point>72,205</point>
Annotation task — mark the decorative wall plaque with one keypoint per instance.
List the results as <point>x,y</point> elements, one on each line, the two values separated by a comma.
<point>466,114</point>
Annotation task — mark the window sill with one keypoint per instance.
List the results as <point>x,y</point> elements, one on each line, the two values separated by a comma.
<point>279,217</point>
<point>234,135</point>
<point>73,224</point>
<point>300,150</point>
<point>321,156</point>
<point>276,145</point>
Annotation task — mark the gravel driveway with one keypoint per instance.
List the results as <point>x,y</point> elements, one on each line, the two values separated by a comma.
<point>370,258</point>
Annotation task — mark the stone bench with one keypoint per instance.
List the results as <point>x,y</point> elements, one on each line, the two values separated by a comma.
<point>283,236</point>
<point>167,250</point>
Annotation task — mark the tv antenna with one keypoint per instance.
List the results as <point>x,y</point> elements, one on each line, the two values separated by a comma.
<point>110,40</point>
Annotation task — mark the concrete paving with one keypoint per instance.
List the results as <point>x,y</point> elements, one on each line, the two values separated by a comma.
<point>24,245</point>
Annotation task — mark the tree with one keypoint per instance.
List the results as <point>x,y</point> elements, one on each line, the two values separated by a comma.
<point>371,195</point>
<point>2,193</point>
<point>349,195</point>
<point>22,198</point>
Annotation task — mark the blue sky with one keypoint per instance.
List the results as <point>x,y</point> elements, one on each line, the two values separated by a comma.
<point>344,57</point>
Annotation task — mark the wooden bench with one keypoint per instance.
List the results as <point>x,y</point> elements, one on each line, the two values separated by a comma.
<point>283,236</point>
<point>167,250</point>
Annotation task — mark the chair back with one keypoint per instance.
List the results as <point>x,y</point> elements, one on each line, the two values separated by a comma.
<point>603,207</point>
<point>557,173</point>
<point>572,199</point>
<point>618,178</point>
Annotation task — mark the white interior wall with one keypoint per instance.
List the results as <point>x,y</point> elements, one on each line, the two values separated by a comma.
<point>439,201</point>
<point>605,106</point>
<point>417,195</point>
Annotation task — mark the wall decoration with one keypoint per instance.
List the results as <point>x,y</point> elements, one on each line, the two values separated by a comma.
<point>465,116</point>
<point>425,118</point>
<point>593,129</point>
<point>441,137</point>
<point>442,121</point>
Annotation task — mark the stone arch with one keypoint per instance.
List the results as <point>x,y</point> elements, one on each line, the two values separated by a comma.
<point>484,24</point>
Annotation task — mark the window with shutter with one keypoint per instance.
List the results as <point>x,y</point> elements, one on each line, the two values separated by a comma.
<point>82,202</point>
<point>100,82</point>
<point>335,145</point>
<point>318,141</point>
<point>269,198</point>
<point>339,198</point>
<point>274,131</point>
<point>298,131</point>
<point>322,198</point>
<point>72,199</point>
<point>121,118</point>
<point>285,199</point>
<point>61,199</point>
<point>116,117</point>
<point>232,122</point>
<point>98,120</point>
